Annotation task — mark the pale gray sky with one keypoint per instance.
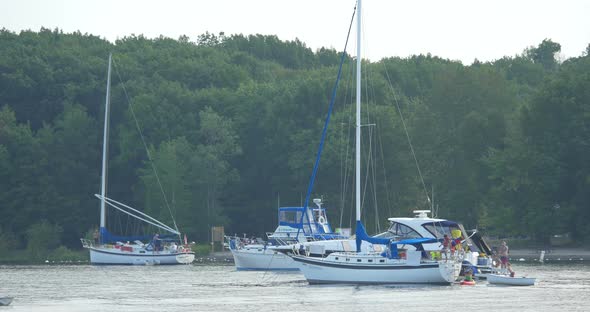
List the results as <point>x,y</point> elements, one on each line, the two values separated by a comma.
<point>455,29</point>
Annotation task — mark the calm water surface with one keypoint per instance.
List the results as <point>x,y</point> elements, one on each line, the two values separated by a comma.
<point>563,287</point>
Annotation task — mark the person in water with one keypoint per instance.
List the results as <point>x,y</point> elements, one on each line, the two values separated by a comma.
<point>468,275</point>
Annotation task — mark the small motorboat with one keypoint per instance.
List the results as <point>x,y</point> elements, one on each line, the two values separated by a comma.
<point>498,279</point>
<point>4,301</point>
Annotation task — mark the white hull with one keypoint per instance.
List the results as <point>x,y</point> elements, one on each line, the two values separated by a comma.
<point>335,269</point>
<point>258,258</point>
<point>511,281</point>
<point>101,255</point>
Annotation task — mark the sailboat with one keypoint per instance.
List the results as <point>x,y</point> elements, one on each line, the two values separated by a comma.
<point>107,248</point>
<point>389,266</point>
<point>291,230</point>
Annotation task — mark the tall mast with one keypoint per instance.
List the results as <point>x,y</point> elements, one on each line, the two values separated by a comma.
<point>105,147</point>
<point>358,113</point>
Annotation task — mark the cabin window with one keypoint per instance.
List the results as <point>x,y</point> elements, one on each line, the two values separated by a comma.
<point>290,216</point>
<point>347,259</point>
<point>381,261</point>
<point>359,260</point>
<point>336,258</point>
<point>399,231</point>
<point>439,229</point>
<point>142,251</point>
<point>370,260</point>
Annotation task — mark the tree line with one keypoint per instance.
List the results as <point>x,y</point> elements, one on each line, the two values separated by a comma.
<point>232,125</point>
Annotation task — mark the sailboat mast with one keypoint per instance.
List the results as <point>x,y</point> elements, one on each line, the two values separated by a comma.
<point>358,113</point>
<point>105,147</point>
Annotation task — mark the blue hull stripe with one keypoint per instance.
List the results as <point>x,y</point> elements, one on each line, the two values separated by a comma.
<point>258,269</point>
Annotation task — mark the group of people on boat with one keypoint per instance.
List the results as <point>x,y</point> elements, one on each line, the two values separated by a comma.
<point>158,244</point>
<point>451,245</point>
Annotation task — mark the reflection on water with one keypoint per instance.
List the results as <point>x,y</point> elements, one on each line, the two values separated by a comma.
<point>221,288</point>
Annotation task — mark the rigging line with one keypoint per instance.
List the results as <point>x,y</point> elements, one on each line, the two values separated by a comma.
<point>347,159</point>
<point>387,195</point>
<point>157,223</point>
<point>373,155</point>
<point>111,201</point>
<point>407,134</point>
<point>346,130</point>
<point>368,164</point>
<point>325,130</point>
<point>343,163</point>
<point>145,146</point>
<point>352,129</point>
<point>370,157</point>
<point>374,181</point>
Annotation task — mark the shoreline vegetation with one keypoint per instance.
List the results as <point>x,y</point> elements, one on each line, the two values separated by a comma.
<point>233,121</point>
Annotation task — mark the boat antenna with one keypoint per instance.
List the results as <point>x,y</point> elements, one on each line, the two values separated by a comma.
<point>147,149</point>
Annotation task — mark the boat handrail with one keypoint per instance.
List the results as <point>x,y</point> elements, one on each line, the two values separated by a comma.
<point>86,243</point>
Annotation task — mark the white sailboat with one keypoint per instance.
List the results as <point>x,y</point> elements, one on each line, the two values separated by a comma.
<point>107,248</point>
<point>291,230</point>
<point>375,267</point>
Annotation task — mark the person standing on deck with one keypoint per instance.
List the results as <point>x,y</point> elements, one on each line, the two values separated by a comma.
<point>156,242</point>
<point>503,252</point>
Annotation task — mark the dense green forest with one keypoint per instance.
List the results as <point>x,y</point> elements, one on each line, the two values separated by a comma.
<point>233,123</point>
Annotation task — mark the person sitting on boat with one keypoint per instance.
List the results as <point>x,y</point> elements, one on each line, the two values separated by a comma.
<point>96,236</point>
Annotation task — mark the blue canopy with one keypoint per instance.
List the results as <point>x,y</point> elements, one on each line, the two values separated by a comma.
<point>361,235</point>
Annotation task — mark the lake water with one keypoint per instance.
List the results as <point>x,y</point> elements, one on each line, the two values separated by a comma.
<point>559,287</point>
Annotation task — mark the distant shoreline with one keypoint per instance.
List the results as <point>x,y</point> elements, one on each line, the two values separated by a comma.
<point>557,254</point>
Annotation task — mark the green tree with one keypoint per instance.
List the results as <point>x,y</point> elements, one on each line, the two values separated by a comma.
<point>544,54</point>
<point>42,237</point>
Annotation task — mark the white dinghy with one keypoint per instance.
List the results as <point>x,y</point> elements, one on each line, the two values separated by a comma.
<point>497,279</point>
